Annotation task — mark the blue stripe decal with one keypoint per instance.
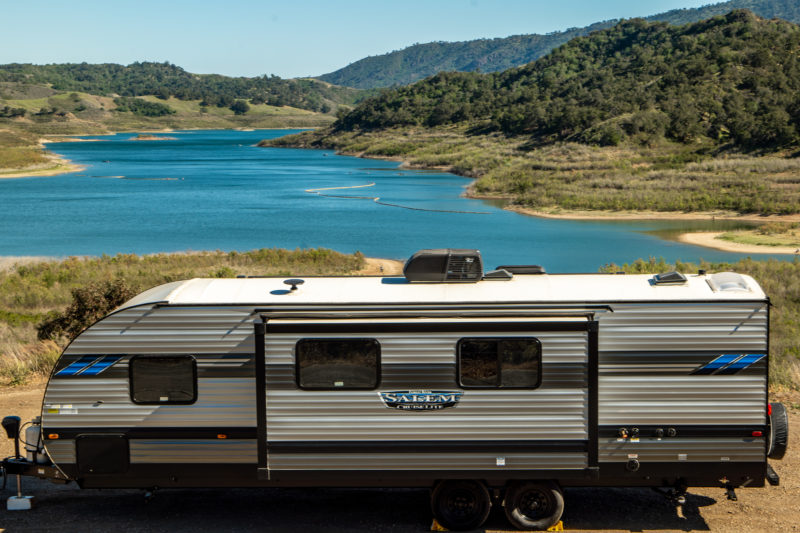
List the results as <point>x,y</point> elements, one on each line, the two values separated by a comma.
<point>101,365</point>
<point>742,363</point>
<point>716,364</point>
<point>77,366</point>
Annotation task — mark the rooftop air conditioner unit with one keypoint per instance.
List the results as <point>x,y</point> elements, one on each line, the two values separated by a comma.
<point>444,265</point>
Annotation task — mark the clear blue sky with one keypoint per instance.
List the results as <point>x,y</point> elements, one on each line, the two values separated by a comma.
<point>287,38</point>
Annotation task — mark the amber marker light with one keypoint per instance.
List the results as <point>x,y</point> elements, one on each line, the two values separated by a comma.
<point>53,436</point>
<point>222,436</point>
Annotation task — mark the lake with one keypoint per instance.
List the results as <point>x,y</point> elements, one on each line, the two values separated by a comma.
<point>210,190</point>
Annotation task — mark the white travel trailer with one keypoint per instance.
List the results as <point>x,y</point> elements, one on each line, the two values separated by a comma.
<point>487,387</point>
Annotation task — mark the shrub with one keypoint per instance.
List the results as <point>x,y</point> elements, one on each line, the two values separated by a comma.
<point>89,304</point>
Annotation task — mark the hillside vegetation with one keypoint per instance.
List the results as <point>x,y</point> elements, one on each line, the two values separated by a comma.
<point>419,61</point>
<point>32,296</point>
<point>165,80</point>
<point>640,116</point>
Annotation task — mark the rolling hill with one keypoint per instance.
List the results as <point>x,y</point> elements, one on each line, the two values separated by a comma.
<point>414,63</point>
<point>641,116</point>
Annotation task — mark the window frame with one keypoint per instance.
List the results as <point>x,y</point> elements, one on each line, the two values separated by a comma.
<point>131,363</point>
<point>499,364</point>
<point>378,363</point>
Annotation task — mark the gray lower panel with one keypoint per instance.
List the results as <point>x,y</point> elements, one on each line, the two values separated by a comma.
<point>427,461</point>
<point>683,449</point>
<point>193,451</point>
<point>61,451</point>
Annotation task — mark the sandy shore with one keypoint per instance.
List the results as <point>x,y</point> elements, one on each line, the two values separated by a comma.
<point>57,165</point>
<point>646,215</point>
<point>710,239</point>
<point>8,262</point>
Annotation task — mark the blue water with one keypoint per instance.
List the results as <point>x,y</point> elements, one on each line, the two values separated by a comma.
<point>211,190</point>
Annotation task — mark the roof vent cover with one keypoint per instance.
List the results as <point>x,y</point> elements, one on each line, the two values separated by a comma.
<point>669,278</point>
<point>444,265</point>
<point>727,281</point>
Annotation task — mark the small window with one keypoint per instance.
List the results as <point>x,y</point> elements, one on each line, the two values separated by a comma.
<point>508,363</point>
<point>338,363</point>
<point>163,379</point>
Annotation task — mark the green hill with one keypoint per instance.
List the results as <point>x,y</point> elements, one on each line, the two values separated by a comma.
<point>731,80</point>
<point>166,80</point>
<point>416,62</point>
<point>641,116</point>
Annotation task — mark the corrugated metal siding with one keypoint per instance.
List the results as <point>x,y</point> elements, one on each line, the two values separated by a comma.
<point>677,327</point>
<point>170,330</point>
<point>684,449</point>
<point>61,451</point>
<point>426,461</point>
<point>75,403</point>
<point>193,451</point>
<point>557,410</point>
<point>647,354</point>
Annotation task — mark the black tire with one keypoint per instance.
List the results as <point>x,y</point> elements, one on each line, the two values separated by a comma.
<point>778,431</point>
<point>461,504</point>
<point>534,505</point>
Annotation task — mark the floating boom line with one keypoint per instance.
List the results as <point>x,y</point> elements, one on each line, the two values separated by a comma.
<point>377,200</point>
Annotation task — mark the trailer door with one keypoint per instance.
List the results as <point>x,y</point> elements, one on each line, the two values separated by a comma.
<point>508,396</point>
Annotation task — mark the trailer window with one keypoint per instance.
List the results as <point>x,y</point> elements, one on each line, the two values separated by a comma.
<point>163,379</point>
<point>509,363</point>
<point>331,364</point>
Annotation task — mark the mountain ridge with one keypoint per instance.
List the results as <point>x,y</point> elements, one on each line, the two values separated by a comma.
<point>402,67</point>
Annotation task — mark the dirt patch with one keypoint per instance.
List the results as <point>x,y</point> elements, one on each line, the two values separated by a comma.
<point>381,267</point>
<point>68,508</point>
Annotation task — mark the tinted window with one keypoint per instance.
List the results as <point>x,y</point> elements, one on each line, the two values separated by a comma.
<point>338,363</point>
<point>163,379</point>
<point>499,362</point>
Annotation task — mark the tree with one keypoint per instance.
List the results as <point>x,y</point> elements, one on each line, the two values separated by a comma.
<point>240,107</point>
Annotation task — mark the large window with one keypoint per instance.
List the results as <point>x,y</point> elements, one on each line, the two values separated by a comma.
<point>338,363</point>
<point>163,379</point>
<point>500,362</point>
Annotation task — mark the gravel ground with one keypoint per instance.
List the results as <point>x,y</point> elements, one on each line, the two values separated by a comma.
<point>66,508</point>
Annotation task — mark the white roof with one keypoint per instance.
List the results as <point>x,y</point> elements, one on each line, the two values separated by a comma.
<point>544,288</point>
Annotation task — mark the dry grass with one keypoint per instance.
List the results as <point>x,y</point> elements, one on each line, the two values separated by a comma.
<point>29,290</point>
<point>667,177</point>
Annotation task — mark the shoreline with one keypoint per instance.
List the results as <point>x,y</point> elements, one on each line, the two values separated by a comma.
<point>66,166</point>
<point>577,214</point>
<point>708,239</point>
<point>567,214</point>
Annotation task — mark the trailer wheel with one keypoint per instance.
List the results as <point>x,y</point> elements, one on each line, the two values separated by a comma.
<point>534,505</point>
<point>460,504</point>
<point>778,431</point>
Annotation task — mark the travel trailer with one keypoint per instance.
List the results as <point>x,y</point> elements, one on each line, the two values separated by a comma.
<point>499,387</point>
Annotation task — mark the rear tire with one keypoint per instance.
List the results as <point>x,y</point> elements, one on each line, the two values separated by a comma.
<point>534,505</point>
<point>461,504</point>
<point>778,431</point>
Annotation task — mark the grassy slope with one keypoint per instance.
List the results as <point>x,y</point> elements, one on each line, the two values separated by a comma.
<point>29,291</point>
<point>569,176</point>
<point>773,234</point>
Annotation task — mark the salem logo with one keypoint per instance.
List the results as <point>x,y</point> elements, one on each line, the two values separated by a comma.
<point>420,400</point>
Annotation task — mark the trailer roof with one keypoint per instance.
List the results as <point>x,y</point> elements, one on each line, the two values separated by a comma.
<point>544,288</point>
